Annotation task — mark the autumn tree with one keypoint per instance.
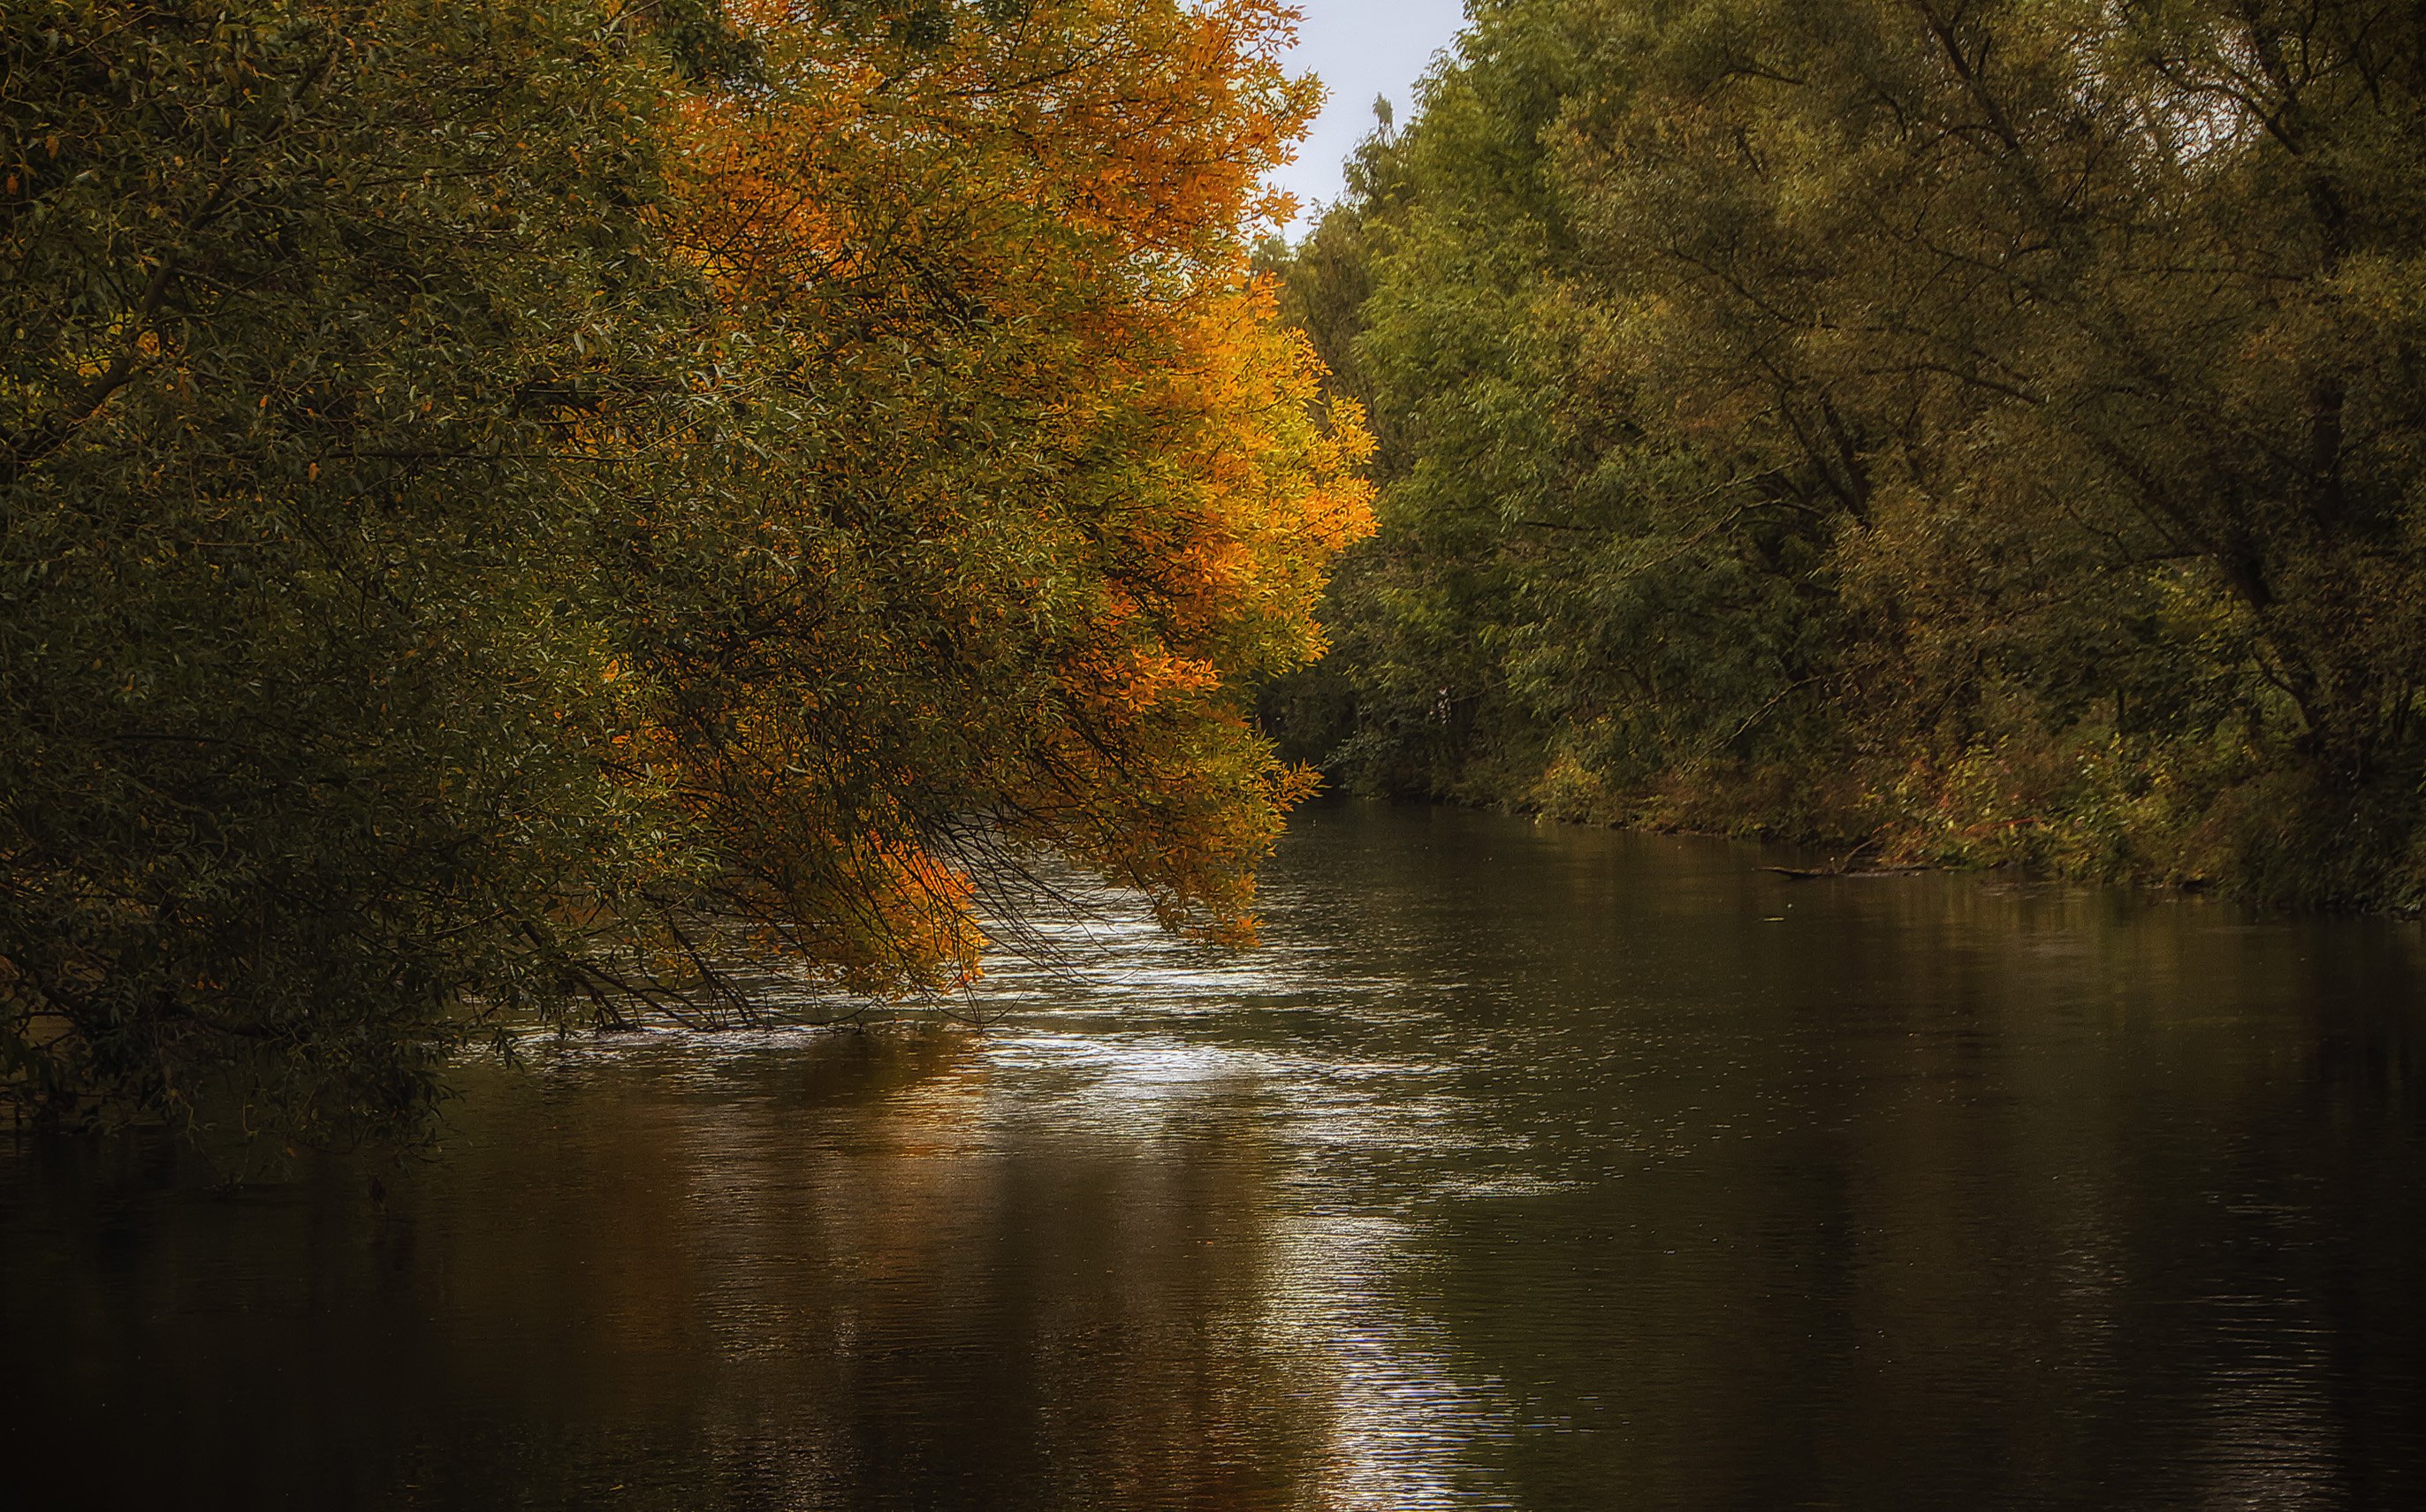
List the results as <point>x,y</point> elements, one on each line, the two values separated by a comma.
<point>513,513</point>
<point>1028,488</point>
<point>1987,431</point>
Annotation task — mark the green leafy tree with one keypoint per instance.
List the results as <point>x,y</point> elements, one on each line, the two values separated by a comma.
<point>1986,429</point>
<point>300,699</point>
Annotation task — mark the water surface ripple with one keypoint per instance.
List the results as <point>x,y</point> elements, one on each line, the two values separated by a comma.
<point>1524,1168</point>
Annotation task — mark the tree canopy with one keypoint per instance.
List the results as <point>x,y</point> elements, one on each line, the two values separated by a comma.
<point>1981,430</point>
<point>516,513</point>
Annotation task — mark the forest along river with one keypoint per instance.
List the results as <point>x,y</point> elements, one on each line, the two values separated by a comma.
<point>1527,1166</point>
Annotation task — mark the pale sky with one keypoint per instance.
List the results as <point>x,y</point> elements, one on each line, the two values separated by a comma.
<point>1360,48</point>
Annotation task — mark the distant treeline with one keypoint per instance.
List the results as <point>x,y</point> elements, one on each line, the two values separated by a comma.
<point>553,512</point>
<point>1975,430</point>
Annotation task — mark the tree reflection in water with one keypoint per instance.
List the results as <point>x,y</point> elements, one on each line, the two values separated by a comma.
<point>1526,1167</point>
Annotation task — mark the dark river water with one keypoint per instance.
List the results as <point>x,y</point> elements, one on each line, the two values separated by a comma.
<point>1525,1167</point>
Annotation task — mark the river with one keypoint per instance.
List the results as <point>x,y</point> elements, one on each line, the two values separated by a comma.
<point>1525,1166</point>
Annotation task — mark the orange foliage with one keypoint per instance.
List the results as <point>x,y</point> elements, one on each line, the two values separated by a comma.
<point>1034,489</point>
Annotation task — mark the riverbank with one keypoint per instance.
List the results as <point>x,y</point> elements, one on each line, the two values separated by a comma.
<point>2081,814</point>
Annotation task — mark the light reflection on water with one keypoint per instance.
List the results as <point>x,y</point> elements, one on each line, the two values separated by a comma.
<point>1526,1167</point>
<point>1400,1413</point>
